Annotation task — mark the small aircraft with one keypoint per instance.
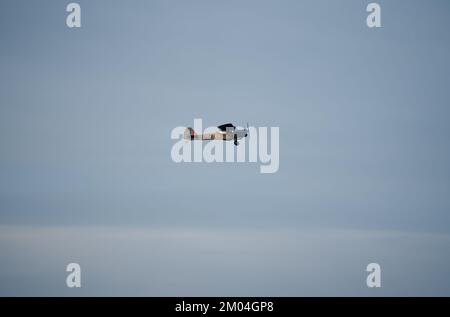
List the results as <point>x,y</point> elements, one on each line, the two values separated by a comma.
<point>227,132</point>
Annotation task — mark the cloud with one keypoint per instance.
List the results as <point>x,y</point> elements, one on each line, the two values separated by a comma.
<point>144,261</point>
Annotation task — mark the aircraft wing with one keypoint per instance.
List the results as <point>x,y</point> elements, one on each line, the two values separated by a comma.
<point>226,126</point>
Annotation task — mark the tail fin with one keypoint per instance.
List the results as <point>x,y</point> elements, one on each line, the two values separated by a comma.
<point>189,134</point>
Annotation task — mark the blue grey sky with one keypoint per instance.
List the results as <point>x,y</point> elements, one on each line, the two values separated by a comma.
<point>85,122</point>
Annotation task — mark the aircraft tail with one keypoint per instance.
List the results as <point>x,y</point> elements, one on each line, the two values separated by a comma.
<point>189,134</point>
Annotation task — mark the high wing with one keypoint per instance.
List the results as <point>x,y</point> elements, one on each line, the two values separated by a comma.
<point>226,126</point>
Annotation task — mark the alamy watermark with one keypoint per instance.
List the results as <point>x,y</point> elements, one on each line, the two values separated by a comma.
<point>74,278</point>
<point>227,143</point>
<point>374,278</point>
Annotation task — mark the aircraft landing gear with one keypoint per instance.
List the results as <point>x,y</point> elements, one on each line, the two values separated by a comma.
<point>235,140</point>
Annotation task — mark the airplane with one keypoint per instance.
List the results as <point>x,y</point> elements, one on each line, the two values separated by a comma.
<point>227,132</point>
